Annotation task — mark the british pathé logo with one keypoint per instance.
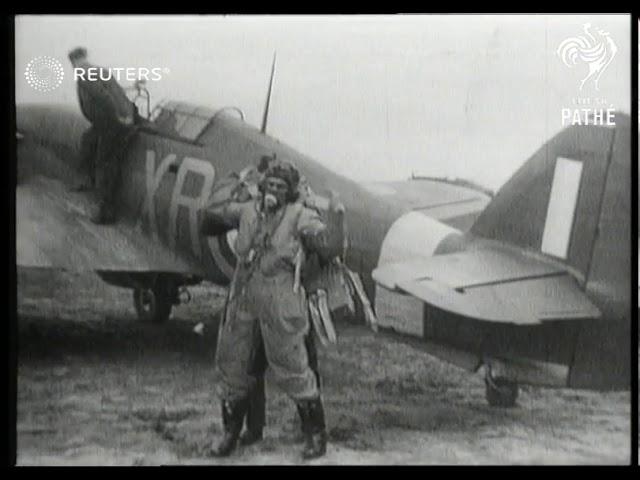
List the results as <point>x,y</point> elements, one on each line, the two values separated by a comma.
<point>595,49</point>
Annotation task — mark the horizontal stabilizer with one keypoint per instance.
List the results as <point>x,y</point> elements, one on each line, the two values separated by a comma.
<point>493,284</point>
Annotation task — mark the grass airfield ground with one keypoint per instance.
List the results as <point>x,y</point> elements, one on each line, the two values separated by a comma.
<point>97,387</point>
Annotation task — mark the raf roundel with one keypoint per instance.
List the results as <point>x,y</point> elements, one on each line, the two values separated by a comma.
<point>44,73</point>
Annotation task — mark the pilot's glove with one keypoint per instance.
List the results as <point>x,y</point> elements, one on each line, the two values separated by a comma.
<point>247,187</point>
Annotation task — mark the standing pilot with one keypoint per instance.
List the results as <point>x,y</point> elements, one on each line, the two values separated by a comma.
<point>272,230</point>
<point>105,104</point>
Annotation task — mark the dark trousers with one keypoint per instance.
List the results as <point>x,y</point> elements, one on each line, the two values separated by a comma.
<point>257,411</point>
<point>101,151</point>
<point>88,153</point>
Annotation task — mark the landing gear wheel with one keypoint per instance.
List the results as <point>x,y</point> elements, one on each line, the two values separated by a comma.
<point>153,305</point>
<point>500,392</point>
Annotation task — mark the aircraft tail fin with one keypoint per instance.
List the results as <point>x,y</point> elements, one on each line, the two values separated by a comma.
<point>556,202</point>
<point>265,115</point>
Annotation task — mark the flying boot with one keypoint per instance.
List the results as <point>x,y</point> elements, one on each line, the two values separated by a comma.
<point>233,413</point>
<point>313,427</point>
<point>255,420</point>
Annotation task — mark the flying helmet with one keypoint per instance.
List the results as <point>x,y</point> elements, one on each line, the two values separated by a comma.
<point>284,171</point>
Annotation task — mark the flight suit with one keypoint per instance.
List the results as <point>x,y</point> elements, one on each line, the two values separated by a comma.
<point>242,188</point>
<point>262,290</point>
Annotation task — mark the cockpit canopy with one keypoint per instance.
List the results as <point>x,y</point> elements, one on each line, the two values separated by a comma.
<point>182,119</point>
<point>176,119</point>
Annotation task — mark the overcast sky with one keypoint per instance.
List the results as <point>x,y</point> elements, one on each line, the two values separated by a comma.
<point>374,98</point>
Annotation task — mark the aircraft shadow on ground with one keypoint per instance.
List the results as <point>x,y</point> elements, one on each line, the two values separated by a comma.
<point>44,337</point>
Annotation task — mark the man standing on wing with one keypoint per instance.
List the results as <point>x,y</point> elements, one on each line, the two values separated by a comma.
<point>105,104</point>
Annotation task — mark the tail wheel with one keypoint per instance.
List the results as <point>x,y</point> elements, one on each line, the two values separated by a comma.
<point>500,392</point>
<point>153,305</point>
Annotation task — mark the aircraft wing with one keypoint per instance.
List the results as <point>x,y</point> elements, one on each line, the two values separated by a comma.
<point>53,230</point>
<point>492,284</point>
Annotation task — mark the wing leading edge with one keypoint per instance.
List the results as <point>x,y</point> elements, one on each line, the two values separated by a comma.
<point>53,231</point>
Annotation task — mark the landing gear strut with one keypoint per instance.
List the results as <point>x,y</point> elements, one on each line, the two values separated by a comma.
<point>500,392</point>
<point>154,293</point>
<point>154,304</point>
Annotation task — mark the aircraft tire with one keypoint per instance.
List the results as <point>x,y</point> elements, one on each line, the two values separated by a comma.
<point>501,392</point>
<point>152,305</point>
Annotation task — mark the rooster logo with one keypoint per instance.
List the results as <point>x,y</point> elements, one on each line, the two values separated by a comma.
<point>596,51</point>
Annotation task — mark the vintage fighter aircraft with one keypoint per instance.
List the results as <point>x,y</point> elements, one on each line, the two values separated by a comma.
<point>532,284</point>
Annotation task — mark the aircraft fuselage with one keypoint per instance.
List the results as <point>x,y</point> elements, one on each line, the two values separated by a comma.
<point>167,181</point>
